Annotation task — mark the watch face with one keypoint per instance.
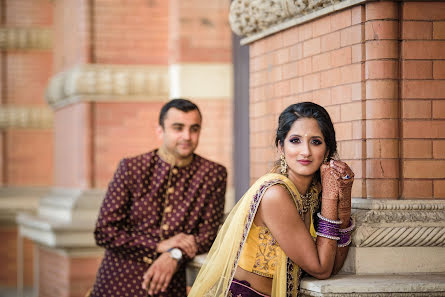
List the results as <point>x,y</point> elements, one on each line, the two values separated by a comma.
<point>176,253</point>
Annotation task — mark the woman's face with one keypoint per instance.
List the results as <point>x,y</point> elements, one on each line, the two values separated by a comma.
<point>304,148</point>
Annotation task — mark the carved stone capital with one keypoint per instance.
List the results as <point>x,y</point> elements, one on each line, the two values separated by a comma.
<point>26,117</point>
<point>98,82</point>
<point>25,38</point>
<point>399,223</point>
<point>258,17</point>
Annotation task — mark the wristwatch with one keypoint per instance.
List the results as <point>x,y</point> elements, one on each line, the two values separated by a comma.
<point>175,253</point>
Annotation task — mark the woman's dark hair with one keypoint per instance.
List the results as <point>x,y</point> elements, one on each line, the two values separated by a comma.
<point>179,103</point>
<point>307,110</point>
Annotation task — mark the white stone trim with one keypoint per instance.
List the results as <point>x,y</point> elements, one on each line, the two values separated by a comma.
<point>26,38</point>
<point>26,117</point>
<point>201,80</point>
<point>257,19</point>
<point>65,218</point>
<point>19,199</point>
<point>421,285</point>
<point>108,83</point>
<point>394,260</point>
<point>399,223</point>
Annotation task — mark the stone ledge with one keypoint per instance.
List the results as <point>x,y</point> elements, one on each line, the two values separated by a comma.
<point>57,234</point>
<point>26,117</point>
<point>108,83</point>
<point>375,286</point>
<point>19,199</point>
<point>26,38</point>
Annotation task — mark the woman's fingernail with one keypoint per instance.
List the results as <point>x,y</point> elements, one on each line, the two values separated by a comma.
<point>331,163</point>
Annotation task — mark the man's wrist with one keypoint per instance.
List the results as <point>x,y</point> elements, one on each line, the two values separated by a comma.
<point>175,253</point>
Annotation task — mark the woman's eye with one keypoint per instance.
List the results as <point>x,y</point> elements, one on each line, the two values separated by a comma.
<point>295,140</point>
<point>316,142</point>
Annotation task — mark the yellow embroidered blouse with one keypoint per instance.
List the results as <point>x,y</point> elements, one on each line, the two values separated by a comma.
<point>261,251</point>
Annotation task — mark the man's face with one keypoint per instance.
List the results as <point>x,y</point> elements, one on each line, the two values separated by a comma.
<point>180,134</point>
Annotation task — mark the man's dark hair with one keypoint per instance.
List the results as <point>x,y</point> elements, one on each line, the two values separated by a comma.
<point>179,103</point>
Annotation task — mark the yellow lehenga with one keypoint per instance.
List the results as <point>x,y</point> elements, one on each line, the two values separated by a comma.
<point>217,273</point>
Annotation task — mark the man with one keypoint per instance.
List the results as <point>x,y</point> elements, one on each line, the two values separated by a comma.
<point>161,208</point>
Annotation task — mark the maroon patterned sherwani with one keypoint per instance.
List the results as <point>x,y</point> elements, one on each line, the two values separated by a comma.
<point>149,200</point>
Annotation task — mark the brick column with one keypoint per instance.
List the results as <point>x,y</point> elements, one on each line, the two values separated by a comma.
<point>381,99</point>
<point>423,100</point>
<point>26,126</point>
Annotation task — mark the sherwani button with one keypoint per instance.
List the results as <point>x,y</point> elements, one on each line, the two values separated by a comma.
<point>175,171</point>
<point>170,190</point>
<point>165,227</point>
<point>168,209</point>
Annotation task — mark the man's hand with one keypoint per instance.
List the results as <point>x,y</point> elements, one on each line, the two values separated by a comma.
<point>158,276</point>
<point>181,240</point>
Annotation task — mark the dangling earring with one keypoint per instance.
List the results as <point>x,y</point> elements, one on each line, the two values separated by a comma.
<point>325,159</point>
<point>283,164</point>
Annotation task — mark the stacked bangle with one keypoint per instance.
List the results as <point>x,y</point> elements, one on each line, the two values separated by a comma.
<point>345,234</point>
<point>328,228</point>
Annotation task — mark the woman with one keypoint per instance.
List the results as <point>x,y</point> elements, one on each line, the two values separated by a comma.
<point>269,236</point>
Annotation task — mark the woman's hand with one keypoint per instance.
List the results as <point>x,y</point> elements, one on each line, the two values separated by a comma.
<point>330,191</point>
<point>344,189</point>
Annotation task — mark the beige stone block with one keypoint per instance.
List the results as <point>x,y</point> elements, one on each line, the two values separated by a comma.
<point>375,285</point>
<point>378,260</point>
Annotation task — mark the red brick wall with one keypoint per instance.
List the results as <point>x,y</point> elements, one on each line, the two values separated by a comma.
<point>423,99</point>
<point>63,276</point>
<point>349,62</point>
<point>122,130</point>
<point>131,32</point>
<point>24,13</point>
<point>27,77</point>
<point>320,61</point>
<point>216,140</point>
<point>128,129</point>
<point>8,258</point>
<point>209,18</point>
<point>29,157</point>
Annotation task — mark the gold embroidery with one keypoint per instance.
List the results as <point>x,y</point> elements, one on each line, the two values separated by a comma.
<point>267,254</point>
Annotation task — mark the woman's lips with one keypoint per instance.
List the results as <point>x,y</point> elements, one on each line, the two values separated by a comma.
<point>304,162</point>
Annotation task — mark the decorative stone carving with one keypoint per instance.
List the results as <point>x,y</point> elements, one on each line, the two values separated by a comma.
<point>26,117</point>
<point>96,82</point>
<point>252,16</point>
<point>398,223</point>
<point>25,38</point>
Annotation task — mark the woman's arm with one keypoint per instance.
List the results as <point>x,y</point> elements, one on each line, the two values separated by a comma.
<point>278,212</point>
<point>344,208</point>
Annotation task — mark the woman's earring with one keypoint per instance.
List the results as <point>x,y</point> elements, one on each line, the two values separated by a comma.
<point>325,159</point>
<point>283,165</point>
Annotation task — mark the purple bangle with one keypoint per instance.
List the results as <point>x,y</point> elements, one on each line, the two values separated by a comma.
<point>345,240</point>
<point>328,230</point>
<point>350,227</point>
<point>328,220</point>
